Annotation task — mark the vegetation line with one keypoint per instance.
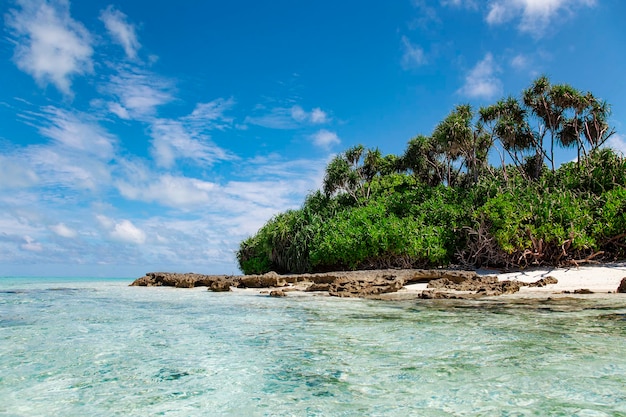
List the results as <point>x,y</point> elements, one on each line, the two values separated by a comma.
<point>443,203</point>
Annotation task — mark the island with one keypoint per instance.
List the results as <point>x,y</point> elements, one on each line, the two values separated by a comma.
<point>484,191</point>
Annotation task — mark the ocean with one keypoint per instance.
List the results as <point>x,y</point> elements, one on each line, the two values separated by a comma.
<point>89,347</point>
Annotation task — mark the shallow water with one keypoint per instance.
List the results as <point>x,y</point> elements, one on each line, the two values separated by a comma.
<point>100,348</point>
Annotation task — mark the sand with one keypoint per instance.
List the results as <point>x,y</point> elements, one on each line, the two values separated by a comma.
<point>598,279</point>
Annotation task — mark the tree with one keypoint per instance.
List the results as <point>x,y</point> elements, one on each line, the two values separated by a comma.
<point>352,172</point>
<point>421,158</point>
<point>595,122</point>
<point>465,145</point>
<point>507,122</point>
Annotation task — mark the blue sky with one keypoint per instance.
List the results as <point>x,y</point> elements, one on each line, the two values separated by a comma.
<point>140,136</point>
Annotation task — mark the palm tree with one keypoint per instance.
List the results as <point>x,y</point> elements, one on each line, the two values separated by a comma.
<point>595,122</point>
<point>352,172</point>
<point>507,121</point>
<point>458,139</point>
<point>421,157</point>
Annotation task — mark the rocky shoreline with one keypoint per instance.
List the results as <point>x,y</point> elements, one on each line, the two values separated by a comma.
<point>374,284</point>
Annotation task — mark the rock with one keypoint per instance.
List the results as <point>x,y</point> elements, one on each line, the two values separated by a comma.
<point>186,282</point>
<point>323,278</point>
<point>181,280</point>
<point>261,281</point>
<point>543,282</point>
<point>622,286</point>
<point>444,295</point>
<point>431,294</point>
<point>481,285</point>
<point>365,286</point>
<point>277,293</point>
<point>583,291</point>
<point>143,282</point>
<point>442,283</point>
<point>318,287</point>
<point>427,275</point>
<point>510,287</point>
<point>220,286</point>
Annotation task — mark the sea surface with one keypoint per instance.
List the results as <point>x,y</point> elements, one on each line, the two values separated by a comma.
<point>87,347</point>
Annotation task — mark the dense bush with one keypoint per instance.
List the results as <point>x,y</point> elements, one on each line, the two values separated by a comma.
<point>563,217</point>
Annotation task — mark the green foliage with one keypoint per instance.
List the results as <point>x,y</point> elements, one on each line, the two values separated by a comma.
<point>369,236</point>
<point>522,218</point>
<point>611,226</point>
<point>440,202</point>
<point>252,256</point>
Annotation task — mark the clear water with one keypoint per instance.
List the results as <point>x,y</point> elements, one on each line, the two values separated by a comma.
<point>87,348</point>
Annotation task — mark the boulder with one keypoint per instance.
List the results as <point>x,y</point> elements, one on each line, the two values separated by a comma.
<point>185,282</point>
<point>318,287</point>
<point>181,280</point>
<point>277,293</point>
<point>444,295</point>
<point>427,275</point>
<point>220,286</point>
<point>261,281</point>
<point>144,282</point>
<point>364,286</point>
<point>543,282</point>
<point>622,286</point>
<point>482,285</point>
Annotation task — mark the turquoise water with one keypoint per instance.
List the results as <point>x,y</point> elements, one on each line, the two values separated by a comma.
<point>100,348</point>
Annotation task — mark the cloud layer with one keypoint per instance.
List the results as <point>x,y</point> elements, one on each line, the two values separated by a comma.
<point>154,191</point>
<point>535,16</point>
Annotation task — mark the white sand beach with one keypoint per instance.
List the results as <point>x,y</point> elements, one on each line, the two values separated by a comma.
<point>602,278</point>
<point>598,279</point>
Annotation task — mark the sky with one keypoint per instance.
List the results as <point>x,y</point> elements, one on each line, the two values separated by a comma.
<point>142,136</point>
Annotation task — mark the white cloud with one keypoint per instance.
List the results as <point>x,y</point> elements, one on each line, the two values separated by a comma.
<point>77,131</point>
<point>62,230</point>
<point>15,173</point>
<point>288,117</point>
<point>481,81</point>
<point>138,93</point>
<point>318,116</point>
<point>535,15</point>
<point>412,56</point>
<point>57,167</point>
<point>123,231</point>
<point>617,142</point>
<point>79,155</point>
<point>469,4</point>
<point>427,15</point>
<point>120,30</point>
<point>500,13</point>
<point>519,62</point>
<point>119,111</point>
<point>211,115</point>
<point>31,245</point>
<point>185,138</point>
<point>105,221</point>
<point>50,45</point>
<point>247,196</point>
<point>168,190</point>
<point>298,114</point>
<point>325,139</point>
<point>173,140</point>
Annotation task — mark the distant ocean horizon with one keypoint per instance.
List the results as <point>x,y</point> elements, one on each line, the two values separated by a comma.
<point>91,346</point>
